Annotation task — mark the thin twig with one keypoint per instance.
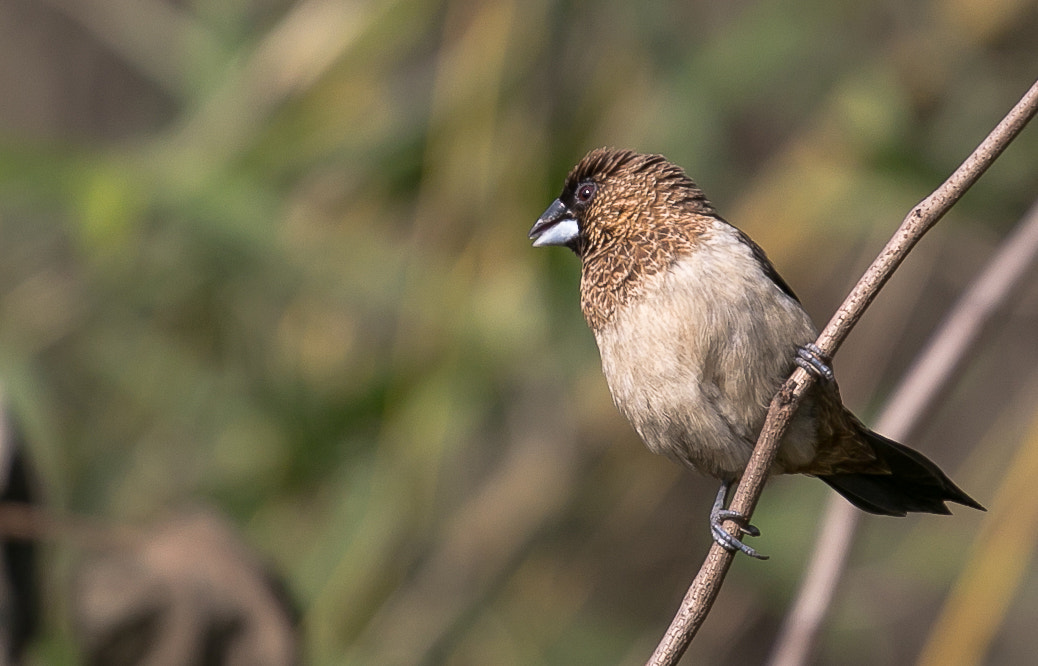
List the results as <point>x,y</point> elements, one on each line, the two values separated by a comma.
<point>925,381</point>
<point>707,583</point>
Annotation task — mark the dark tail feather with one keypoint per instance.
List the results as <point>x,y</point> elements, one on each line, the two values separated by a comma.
<point>914,484</point>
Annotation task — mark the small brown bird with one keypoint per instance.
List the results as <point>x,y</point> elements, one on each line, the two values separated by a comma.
<point>697,332</point>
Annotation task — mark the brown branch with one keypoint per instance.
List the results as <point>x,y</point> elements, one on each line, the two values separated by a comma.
<point>925,381</point>
<point>707,583</point>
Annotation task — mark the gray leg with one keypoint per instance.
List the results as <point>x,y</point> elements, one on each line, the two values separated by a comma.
<point>810,358</point>
<point>719,514</point>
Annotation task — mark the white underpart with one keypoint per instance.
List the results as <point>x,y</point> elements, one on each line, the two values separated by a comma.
<point>694,361</point>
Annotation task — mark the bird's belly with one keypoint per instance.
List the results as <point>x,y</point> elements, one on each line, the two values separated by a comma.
<point>673,412</point>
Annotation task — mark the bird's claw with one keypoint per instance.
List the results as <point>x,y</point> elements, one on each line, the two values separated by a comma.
<point>810,358</point>
<point>719,514</point>
<point>729,542</point>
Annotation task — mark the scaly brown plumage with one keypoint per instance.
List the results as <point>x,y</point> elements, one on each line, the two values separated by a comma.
<point>697,331</point>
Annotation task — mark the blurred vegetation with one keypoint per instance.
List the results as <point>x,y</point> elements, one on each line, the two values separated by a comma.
<point>272,256</point>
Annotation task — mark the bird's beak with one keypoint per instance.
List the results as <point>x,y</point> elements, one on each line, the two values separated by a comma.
<point>556,226</point>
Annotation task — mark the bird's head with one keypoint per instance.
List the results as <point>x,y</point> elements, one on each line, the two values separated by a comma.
<point>615,196</point>
<point>627,216</point>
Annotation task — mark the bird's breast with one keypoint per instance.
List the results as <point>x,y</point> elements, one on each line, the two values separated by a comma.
<point>694,359</point>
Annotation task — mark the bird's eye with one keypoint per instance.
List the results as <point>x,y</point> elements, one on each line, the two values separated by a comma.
<point>585,192</point>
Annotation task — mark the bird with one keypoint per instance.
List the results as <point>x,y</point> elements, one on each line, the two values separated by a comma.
<point>697,332</point>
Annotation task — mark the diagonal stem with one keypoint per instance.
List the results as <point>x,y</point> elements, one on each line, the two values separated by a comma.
<point>923,384</point>
<point>707,583</point>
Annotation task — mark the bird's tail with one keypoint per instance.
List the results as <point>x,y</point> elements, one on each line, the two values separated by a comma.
<point>914,483</point>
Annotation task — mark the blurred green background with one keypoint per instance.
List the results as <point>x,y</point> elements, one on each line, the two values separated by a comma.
<point>272,256</point>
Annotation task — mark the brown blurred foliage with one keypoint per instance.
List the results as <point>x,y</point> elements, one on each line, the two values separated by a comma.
<point>186,592</point>
<point>273,256</point>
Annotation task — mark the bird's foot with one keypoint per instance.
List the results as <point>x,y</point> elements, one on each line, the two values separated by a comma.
<point>726,540</point>
<point>810,358</point>
<point>719,514</point>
